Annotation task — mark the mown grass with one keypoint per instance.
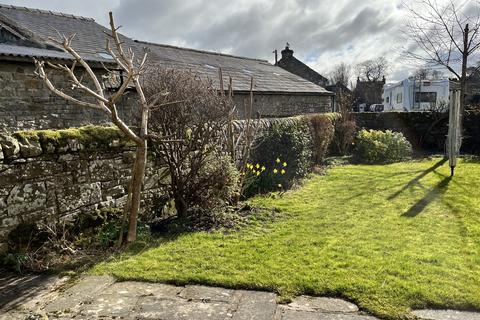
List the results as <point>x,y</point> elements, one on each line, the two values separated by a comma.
<point>390,238</point>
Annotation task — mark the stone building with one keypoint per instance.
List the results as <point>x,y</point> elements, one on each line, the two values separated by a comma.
<point>368,92</point>
<point>295,66</point>
<point>25,103</point>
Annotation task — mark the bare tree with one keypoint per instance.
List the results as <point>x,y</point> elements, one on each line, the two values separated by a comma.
<point>373,69</point>
<point>341,74</point>
<point>427,74</point>
<point>445,35</point>
<point>197,117</point>
<point>106,103</point>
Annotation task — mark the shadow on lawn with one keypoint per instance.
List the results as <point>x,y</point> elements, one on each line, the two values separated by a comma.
<point>416,180</point>
<point>435,192</point>
<point>438,190</point>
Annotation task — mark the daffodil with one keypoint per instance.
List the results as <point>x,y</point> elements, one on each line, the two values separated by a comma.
<point>263,168</point>
<point>283,171</point>
<point>278,160</point>
<point>279,185</point>
<point>284,164</point>
<point>258,173</point>
<point>257,166</point>
<point>275,171</point>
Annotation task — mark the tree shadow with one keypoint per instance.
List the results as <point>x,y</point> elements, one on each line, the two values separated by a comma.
<point>17,289</point>
<point>417,179</point>
<point>439,189</point>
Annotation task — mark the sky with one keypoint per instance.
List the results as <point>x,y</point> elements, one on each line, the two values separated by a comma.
<point>322,33</point>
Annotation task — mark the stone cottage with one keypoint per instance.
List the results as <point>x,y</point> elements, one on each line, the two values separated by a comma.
<point>25,103</point>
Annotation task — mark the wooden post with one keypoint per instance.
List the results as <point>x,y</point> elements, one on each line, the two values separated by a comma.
<point>454,134</point>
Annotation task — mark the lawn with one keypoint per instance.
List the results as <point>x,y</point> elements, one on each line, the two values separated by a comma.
<point>389,238</point>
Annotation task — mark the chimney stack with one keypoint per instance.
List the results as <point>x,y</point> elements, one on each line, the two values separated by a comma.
<point>287,52</point>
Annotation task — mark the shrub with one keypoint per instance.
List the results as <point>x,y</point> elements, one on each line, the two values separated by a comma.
<point>373,146</point>
<point>287,146</point>
<point>322,131</point>
<point>344,135</point>
<point>194,116</point>
<point>215,185</point>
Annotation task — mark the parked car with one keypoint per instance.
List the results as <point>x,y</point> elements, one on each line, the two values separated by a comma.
<point>377,108</point>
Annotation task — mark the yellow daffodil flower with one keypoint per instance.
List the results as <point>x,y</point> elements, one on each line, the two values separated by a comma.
<point>275,170</point>
<point>263,168</point>
<point>278,160</point>
<point>284,164</point>
<point>283,171</point>
<point>258,173</point>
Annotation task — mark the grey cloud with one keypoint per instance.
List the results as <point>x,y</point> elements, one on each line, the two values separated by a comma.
<point>323,32</point>
<point>255,28</point>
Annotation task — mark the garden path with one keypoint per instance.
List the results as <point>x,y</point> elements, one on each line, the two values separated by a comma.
<point>101,297</point>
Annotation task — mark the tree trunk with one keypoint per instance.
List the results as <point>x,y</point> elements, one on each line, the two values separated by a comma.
<point>181,207</point>
<point>135,192</point>
<point>463,80</point>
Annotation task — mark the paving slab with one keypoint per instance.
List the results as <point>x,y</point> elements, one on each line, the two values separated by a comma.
<point>430,314</point>
<point>83,292</point>
<point>181,309</point>
<point>255,305</point>
<point>25,292</point>
<point>290,314</point>
<point>204,293</point>
<point>135,288</point>
<point>323,304</point>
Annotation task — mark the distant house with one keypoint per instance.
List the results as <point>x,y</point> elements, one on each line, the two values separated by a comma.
<point>25,103</point>
<point>339,90</point>
<point>368,92</point>
<point>295,66</point>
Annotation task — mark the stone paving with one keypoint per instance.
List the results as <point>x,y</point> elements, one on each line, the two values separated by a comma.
<point>92,297</point>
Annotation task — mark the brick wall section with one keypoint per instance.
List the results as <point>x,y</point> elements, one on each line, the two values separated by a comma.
<point>38,182</point>
<point>284,105</point>
<point>26,103</point>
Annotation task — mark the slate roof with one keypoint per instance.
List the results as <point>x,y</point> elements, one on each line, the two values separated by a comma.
<point>267,77</point>
<point>37,25</point>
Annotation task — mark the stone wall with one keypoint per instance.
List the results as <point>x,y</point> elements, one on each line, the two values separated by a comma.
<point>284,105</point>
<point>48,177</point>
<point>26,103</point>
<point>426,131</point>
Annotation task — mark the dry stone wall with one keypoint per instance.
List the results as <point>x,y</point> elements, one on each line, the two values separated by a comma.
<point>53,176</point>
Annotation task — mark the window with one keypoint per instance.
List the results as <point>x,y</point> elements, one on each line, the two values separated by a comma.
<point>426,97</point>
<point>387,100</point>
<point>399,97</point>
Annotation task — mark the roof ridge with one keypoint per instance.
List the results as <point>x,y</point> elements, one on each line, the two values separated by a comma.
<point>199,51</point>
<point>55,13</point>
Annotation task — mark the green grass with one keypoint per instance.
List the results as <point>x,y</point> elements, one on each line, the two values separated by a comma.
<point>390,238</point>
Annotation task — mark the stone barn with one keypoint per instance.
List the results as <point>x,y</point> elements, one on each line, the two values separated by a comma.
<point>25,103</point>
